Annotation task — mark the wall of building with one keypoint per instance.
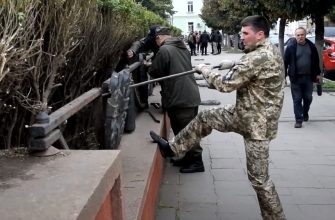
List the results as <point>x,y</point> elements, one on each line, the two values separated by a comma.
<point>183,16</point>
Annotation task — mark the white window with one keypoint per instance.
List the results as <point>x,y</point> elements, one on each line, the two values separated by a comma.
<point>190,6</point>
<point>190,26</point>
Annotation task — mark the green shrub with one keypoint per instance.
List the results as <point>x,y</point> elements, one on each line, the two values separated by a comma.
<point>328,85</point>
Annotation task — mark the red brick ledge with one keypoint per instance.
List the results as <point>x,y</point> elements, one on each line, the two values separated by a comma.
<point>142,165</point>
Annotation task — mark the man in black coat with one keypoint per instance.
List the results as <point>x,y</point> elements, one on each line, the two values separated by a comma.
<point>302,66</point>
<point>204,39</point>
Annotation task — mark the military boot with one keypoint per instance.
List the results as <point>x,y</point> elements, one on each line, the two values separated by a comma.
<point>184,161</point>
<point>197,165</point>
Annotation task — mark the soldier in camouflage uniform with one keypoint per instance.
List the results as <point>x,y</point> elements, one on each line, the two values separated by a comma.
<point>258,79</point>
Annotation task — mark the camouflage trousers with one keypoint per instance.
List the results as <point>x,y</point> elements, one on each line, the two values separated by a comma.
<point>257,155</point>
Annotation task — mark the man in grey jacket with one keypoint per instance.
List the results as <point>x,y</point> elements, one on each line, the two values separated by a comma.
<point>180,95</point>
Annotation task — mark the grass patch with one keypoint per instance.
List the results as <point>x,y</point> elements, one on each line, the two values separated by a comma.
<point>328,85</point>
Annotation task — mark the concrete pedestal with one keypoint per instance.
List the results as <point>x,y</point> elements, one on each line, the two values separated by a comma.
<point>71,185</point>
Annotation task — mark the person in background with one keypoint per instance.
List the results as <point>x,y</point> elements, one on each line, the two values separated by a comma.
<point>302,66</point>
<point>197,40</point>
<point>219,42</point>
<point>143,45</point>
<point>214,41</point>
<point>191,43</point>
<point>204,39</point>
<point>258,78</point>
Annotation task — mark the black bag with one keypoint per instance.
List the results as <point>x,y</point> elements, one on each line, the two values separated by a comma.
<point>319,89</point>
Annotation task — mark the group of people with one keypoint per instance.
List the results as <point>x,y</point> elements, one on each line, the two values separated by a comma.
<point>199,40</point>
<point>258,78</point>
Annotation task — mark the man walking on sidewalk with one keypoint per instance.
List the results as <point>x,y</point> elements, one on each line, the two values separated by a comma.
<point>258,79</point>
<point>302,66</point>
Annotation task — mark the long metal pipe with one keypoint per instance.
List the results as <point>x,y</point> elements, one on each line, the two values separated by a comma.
<point>163,78</point>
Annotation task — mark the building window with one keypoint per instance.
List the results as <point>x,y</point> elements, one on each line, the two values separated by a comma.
<point>190,26</point>
<point>190,6</point>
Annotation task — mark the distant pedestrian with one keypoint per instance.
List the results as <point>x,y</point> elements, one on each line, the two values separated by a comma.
<point>219,36</point>
<point>191,43</point>
<point>214,42</point>
<point>204,39</point>
<point>197,40</point>
<point>302,66</point>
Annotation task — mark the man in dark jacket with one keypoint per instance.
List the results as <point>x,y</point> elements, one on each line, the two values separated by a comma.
<point>302,66</point>
<point>133,54</point>
<point>180,95</point>
<point>214,42</point>
<point>204,39</point>
<point>219,42</point>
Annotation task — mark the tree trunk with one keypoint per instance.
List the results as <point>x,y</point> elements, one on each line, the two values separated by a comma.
<point>236,41</point>
<point>228,41</point>
<point>11,129</point>
<point>282,24</point>
<point>319,32</point>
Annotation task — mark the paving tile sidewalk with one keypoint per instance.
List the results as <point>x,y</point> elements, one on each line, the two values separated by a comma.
<point>302,167</point>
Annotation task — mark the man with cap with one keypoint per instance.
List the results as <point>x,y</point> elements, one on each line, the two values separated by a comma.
<point>180,95</point>
<point>145,44</point>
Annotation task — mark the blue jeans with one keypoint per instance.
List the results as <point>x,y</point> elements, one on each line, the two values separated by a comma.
<point>302,90</point>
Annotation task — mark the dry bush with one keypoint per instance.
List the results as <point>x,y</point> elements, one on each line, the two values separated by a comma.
<point>18,47</point>
<point>51,52</point>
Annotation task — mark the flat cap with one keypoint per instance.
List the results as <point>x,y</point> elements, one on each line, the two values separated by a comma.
<point>162,30</point>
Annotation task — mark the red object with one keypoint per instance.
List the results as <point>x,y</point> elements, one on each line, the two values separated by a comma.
<point>328,54</point>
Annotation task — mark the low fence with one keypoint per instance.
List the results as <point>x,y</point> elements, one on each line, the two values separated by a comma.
<point>115,93</point>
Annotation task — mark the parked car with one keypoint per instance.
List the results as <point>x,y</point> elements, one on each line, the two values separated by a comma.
<point>328,54</point>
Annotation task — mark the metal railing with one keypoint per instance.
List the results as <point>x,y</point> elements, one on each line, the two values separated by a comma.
<point>115,92</point>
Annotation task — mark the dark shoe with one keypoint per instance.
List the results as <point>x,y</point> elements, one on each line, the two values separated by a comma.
<point>163,145</point>
<point>182,162</point>
<point>306,117</point>
<point>187,160</point>
<point>193,168</point>
<point>298,124</point>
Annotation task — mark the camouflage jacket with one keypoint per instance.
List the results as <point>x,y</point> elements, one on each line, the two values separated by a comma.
<point>258,79</point>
